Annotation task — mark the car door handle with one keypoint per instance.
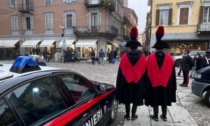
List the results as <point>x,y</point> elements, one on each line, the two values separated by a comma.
<point>85,114</point>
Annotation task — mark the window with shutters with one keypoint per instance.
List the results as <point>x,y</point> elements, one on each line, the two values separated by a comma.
<point>206,15</point>
<point>14,23</point>
<point>47,2</point>
<point>13,3</point>
<point>164,15</point>
<point>184,14</point>
<point>49,21</point>
<point>69,21</point>
<point>93,19</point>
<point>28,23</point>
<point>68,1</point>
<point>69,18</point>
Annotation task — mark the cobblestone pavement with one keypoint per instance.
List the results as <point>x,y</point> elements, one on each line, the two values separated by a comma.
<point>108,73</point>
<point>195,105</point>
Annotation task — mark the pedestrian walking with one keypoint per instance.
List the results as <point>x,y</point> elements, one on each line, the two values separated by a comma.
<point>186,65</point>
<point>131,77</point>
<point>161,78</point>
<point>93,57</point>
<point>180,68</point>
<point>101,56</point>
<point>111,56</point>
<point>44,53</point>
<point>65,55</point>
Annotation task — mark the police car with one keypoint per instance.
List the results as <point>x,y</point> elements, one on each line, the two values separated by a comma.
<point>40,95</point>
<point>201,84</point>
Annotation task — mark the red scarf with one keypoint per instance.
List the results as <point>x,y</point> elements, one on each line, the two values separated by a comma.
<point>133,73</point>
<point>159,76</point>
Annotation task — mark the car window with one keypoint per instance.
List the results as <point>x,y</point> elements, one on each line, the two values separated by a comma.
<point>79,87</point>
<point>195,53</point>
<point>6,116</point>
<point>37,100</point>
<point>207,53</point>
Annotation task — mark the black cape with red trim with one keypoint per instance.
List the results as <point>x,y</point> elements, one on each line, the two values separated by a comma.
<point>161,95</point>
<point>131,92</point>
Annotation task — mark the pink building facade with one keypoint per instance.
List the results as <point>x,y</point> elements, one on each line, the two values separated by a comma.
<point>30,26</point>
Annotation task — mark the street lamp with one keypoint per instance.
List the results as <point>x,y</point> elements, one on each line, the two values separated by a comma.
<point>64,41</point>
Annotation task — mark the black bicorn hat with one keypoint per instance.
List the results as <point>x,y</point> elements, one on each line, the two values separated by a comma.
<point>159,43</point>
<point>133,35</point>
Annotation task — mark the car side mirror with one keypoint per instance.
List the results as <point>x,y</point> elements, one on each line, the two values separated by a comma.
<point>101,89</point>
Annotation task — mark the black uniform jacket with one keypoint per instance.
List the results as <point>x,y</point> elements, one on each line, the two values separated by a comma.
<point>161,83</point>
<point>131,78</point>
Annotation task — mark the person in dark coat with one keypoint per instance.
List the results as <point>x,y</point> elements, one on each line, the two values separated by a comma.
<point>101,56</point>
<point>131,77</point>
<point>93,56</point>
<point>161,78</point>
<point>186,65</point>
<point>111,56</point>
<point>200,62</point>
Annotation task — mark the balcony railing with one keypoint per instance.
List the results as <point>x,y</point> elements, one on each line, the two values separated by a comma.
<point>204,27</point>
<point>96,29</point>
<point>87,29</point>
<point>109,4</point>
<point>26,8</point>
<point>113,30</point>
<point>92,2</point>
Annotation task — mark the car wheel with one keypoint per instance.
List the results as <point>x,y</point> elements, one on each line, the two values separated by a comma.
<point>207,98</point>
<point>178,63</point>
<point>114,109</point>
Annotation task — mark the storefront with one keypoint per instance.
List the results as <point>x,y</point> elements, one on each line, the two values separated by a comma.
<point>178,47</point>
<point>30,47</point>
<point>9,49</point>
<point>49,45</point>
<point>84,47</point>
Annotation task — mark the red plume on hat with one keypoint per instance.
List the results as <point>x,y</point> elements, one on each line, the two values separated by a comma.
<point>134,32</point>
<point>133,35</point>
<point>159,34</point>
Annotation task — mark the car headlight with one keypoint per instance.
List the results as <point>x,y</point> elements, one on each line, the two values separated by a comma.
<point>198,76</point>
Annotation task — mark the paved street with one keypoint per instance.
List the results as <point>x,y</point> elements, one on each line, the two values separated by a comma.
<point>188,111</point>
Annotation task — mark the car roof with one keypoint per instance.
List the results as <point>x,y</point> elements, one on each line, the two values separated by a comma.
<point>5,68</point>
<point>9,79</point>
<point>6,84</point>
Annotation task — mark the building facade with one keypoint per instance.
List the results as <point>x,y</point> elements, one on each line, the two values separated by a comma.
<point>148,32</point>
<point>129,19</point>
<point>125,3</point>
<point>31,26</point>
<point>186,23</point>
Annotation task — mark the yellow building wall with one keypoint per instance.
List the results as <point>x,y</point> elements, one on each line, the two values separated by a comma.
<point>175,28</point>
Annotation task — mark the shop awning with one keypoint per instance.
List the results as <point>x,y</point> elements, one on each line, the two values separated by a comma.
<point>46,43</point>
<point>30,43</point>
<point>8,43</point>
<point>86,43</point>
<point>68,43</point>
<point>116,45</point>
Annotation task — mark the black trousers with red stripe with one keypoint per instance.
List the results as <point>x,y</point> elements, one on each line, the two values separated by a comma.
<point>186,77</point>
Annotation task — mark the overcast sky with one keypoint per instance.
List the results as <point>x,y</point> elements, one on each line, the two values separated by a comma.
<point>141,9</point>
